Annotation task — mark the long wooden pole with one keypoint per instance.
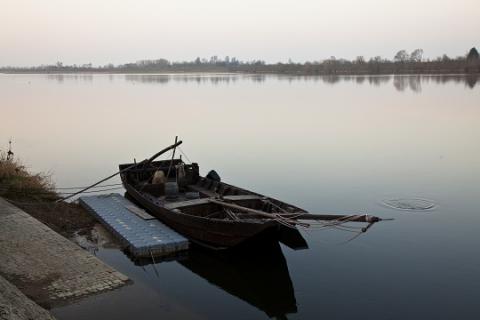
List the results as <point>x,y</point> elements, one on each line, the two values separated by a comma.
<point>260,213</point>
<point>304,216</point>
<point>146,161</point>
<point>156,155</point>
<point>327,217</point>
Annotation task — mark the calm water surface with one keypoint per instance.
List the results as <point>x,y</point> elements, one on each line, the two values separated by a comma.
<point>329,145</point>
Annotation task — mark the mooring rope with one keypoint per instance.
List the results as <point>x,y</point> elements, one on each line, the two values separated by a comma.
<point>184,154</point>
<point>34,192</point>
<point>105,185</point>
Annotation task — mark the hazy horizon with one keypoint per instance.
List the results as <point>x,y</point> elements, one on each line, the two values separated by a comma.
<point>78,32</point>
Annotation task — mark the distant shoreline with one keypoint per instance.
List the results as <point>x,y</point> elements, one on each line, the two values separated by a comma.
<point>193,73</point>
<point>403,63</point>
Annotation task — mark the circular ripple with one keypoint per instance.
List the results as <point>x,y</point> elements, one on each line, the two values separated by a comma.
<point>410,204</point>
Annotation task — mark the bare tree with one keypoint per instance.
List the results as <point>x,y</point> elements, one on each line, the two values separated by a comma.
<point>360,60</point>
<point>473,55</point>
<point>416,55</point>
<point>473,61</point>
<point>401,56</point>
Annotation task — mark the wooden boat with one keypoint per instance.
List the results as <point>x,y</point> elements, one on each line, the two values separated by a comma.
<point>202,220</point>
<point>205,210</point>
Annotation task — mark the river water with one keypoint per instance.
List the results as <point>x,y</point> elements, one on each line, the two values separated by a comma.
<point>338,145</point>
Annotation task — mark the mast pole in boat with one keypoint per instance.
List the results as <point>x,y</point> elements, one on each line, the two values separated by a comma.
<point>173,156</point>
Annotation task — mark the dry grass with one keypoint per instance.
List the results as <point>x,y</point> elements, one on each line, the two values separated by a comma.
<point>17,183</point>
<point>35,194</point>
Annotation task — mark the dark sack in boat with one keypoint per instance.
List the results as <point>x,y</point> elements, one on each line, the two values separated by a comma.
<point>213,175</point>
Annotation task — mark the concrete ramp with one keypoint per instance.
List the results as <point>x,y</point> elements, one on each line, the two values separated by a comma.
<point>143,235</point>
<point>14,305</point>
<point>44,265</point>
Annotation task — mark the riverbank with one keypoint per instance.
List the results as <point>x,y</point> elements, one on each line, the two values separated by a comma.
<point>46,266</point>
<point>35,194</point>
<point>43,242</point>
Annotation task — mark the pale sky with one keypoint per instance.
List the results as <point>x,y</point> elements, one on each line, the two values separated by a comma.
<point>34,32</point>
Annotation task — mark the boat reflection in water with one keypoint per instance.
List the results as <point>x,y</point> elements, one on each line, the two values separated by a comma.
<point>256,273</point>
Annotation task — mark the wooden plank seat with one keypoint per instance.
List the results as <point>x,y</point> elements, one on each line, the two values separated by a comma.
<point>195,202</point>
<point>203,191</point>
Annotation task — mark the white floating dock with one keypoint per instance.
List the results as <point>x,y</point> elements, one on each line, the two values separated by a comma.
<point>143,234</point>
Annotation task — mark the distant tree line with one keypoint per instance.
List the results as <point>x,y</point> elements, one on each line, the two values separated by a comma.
<point>402,63</point>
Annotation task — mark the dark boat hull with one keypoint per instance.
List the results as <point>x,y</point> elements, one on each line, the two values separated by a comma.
<point>211,233</point>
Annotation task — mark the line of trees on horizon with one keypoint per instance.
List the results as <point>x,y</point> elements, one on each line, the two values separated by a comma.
<point>402,63</point>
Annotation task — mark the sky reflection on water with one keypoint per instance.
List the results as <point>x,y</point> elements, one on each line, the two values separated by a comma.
<point>327,144</point>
